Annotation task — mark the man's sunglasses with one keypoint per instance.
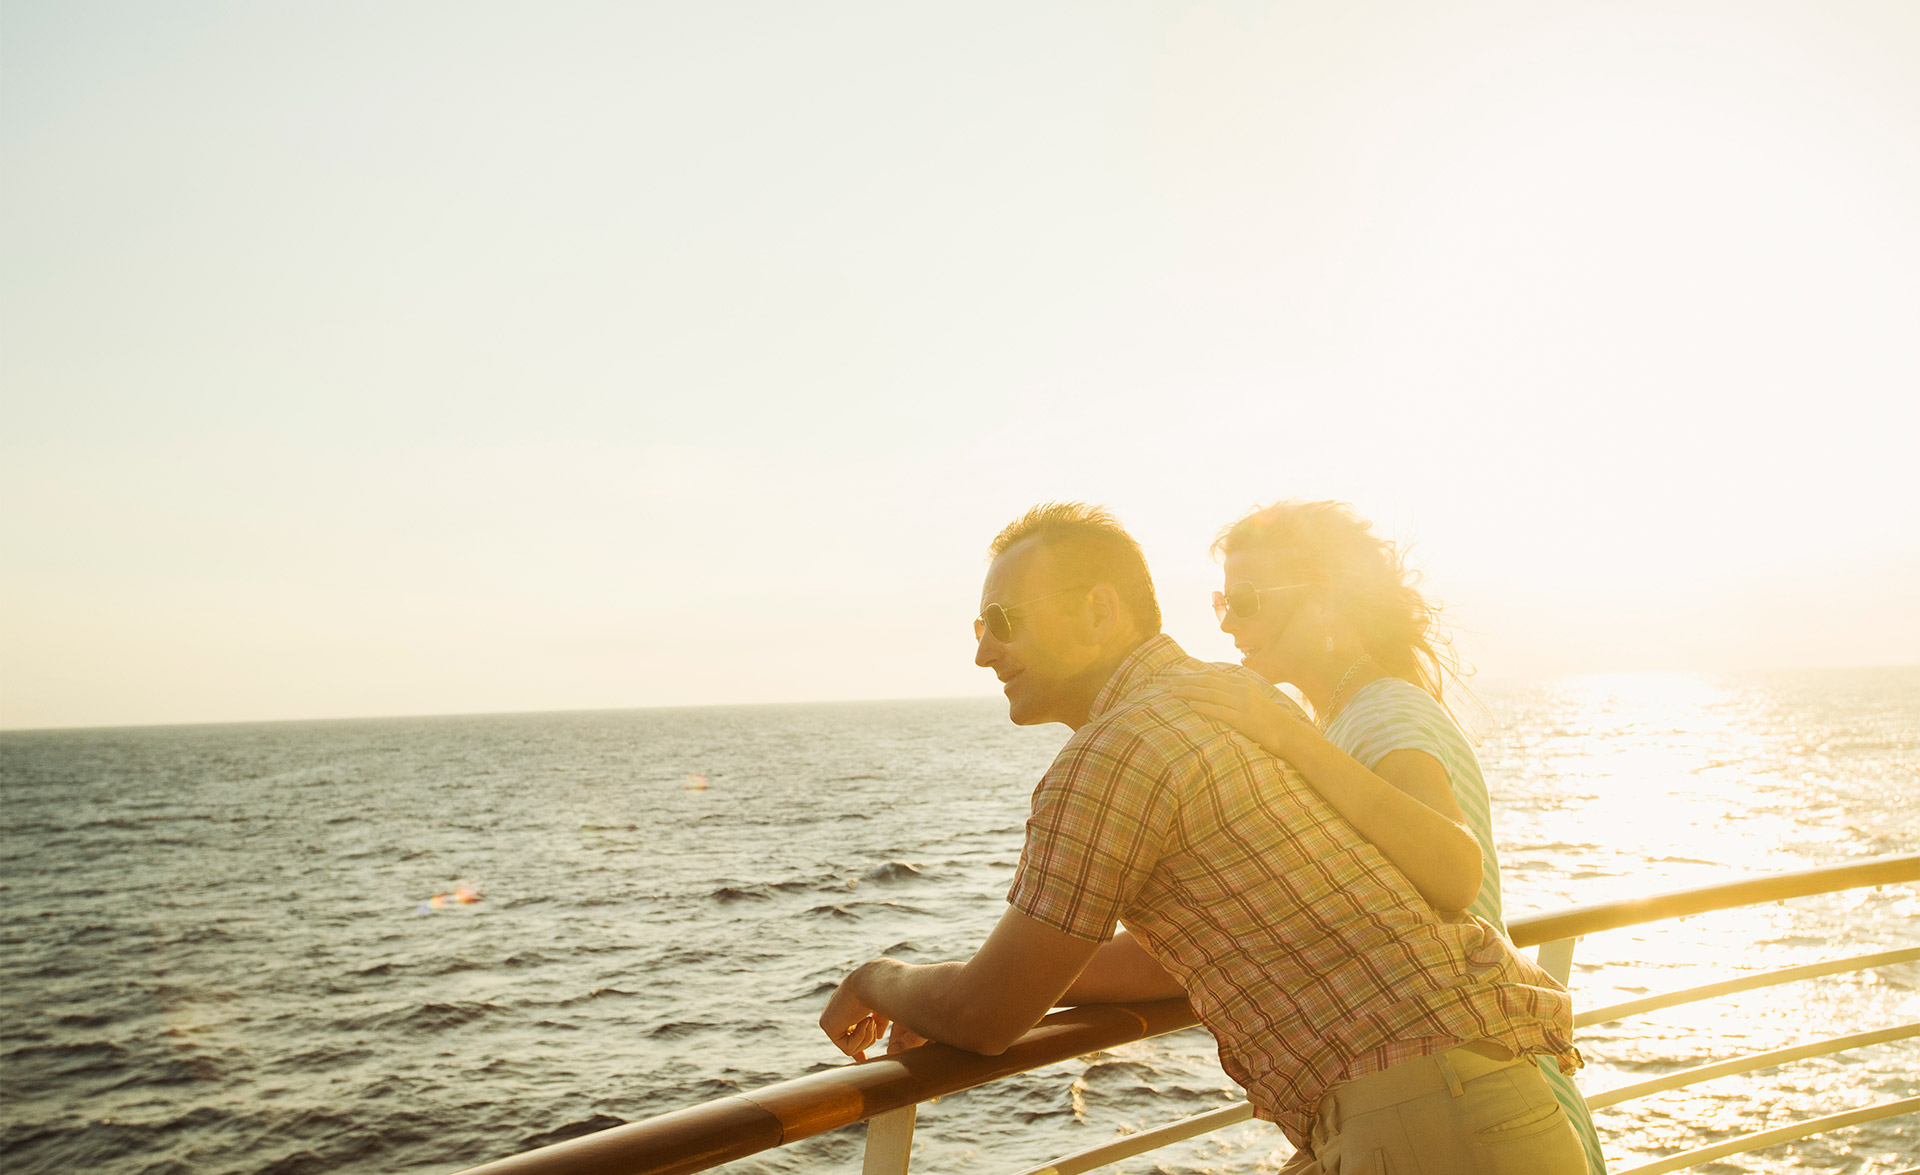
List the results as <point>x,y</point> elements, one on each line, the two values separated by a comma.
<point>1243,599</point>
<point>998,620</point>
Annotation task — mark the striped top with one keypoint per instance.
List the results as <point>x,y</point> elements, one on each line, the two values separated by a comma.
<point>1308,955</point>
<point>1390,714</point>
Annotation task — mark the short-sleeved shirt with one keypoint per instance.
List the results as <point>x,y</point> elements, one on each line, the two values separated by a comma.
<point>1309,956</point>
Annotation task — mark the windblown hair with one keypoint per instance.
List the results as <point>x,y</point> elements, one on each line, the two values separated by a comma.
<point>1095,548</point>
<point>1362,576</point>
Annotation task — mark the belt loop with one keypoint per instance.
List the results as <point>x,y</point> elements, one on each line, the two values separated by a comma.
<point>1446,1070</point>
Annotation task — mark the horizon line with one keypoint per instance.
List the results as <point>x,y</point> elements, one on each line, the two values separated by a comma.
<point>417,715</point>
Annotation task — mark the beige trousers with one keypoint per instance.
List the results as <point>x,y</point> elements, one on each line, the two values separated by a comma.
<point>1472,1110</point>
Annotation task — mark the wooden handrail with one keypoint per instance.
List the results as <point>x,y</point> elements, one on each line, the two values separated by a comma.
<point>729,1128</point>
<point>719,1131</point>
<point>1748,891</point>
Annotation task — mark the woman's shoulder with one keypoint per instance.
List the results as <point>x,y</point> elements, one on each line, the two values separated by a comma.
<point>1391,713</point>
<point>1395,698</point>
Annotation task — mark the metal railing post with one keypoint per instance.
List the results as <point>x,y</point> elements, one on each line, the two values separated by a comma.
<point>889,1142</point>
<point>1556,958</point>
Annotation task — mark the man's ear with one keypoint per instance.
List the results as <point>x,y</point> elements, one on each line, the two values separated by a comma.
<point>1105,611</point>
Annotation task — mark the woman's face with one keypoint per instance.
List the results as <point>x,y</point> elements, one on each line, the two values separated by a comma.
<point>1270,642</point>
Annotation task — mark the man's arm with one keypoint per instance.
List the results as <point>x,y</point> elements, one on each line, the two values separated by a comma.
<point>982,1005</point>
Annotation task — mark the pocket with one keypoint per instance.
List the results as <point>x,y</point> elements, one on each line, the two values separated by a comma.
<point>1534,1121</point>
<point>1372,1161</point>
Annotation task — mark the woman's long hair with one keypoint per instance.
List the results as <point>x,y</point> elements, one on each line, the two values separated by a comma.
<point>1330,547</point>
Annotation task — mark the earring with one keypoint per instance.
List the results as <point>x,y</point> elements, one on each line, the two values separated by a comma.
<point>1329,642</point>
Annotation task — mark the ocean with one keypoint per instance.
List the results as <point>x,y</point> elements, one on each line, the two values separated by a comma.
<point>411,945</point>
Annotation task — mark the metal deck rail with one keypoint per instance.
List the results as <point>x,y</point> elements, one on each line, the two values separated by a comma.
<point>884,1091</point>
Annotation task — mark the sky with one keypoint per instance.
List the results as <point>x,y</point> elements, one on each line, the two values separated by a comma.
<point>363,359</point>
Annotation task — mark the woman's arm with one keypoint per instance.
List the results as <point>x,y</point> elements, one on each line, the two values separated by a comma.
<point>1405,808</point>
<point>1119,972</point>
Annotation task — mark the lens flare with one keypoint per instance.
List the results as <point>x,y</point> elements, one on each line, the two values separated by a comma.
<point>460,895</point>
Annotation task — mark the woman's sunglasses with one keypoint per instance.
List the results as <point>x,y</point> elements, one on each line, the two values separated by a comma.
<point>1243,599</point>
<point>998,620</point>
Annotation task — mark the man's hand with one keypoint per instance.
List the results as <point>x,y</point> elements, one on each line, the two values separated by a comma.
<point>982,1005</point>
<point>849,1023</point>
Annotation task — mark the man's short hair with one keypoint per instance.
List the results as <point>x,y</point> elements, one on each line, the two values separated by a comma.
<point>1095,548</point>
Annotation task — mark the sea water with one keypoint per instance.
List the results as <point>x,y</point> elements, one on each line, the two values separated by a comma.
<point>417,944</point>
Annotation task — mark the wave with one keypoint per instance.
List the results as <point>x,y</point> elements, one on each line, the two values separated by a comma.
<point>198,934</point>
<point>319,1060</point>
<point>71,1145</point>
<point>74,1059</point>
<point>424,1017</point>
<point>86,1019</point>
<point>593,1125</point>
<point>767,890</point>
<point>302,1162</point>
<point>530,959</point>
<point>183,1069</point>
<point>596,994</point>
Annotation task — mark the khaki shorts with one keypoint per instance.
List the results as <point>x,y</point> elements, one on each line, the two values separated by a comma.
<point>1472,1109</point>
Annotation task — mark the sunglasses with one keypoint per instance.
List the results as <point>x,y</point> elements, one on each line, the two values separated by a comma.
<point>1243,599</point>
<point>998,620</point>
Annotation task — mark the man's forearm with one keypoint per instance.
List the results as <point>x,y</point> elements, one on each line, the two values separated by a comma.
<point>916,995</point>
<point>982,1005</point>
<point>933,1001</point>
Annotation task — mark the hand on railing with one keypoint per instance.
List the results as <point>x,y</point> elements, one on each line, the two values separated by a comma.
<point>850,1024</point>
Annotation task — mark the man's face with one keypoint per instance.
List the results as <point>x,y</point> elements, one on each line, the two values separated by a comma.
<point>1045,665</point>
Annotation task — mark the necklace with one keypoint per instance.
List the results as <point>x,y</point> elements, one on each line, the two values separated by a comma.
<point>1334,702</point>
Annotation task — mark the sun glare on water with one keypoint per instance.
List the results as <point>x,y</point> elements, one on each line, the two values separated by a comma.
<point>1639,784</point>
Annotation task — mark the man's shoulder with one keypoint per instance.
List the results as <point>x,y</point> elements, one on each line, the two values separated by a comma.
<point>1151,721</point>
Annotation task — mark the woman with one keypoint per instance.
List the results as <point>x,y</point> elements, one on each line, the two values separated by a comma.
<point>1314,600</point>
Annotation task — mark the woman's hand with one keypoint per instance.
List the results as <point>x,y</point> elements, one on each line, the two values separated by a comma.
<point>1244,705</point>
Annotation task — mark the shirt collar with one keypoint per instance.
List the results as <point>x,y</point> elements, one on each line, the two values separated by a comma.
<point>1153,656</point>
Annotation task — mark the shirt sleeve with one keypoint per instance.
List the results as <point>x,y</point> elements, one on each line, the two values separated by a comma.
<point>1402,727</point>
<point>1100,818</point>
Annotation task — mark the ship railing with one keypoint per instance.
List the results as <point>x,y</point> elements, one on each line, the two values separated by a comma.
<point>885,1091</point>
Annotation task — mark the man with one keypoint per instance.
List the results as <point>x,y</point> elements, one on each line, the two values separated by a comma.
<point>1357,1018</point>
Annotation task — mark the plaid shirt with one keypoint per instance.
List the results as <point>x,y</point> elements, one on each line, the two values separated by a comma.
<point>1308,955</point>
